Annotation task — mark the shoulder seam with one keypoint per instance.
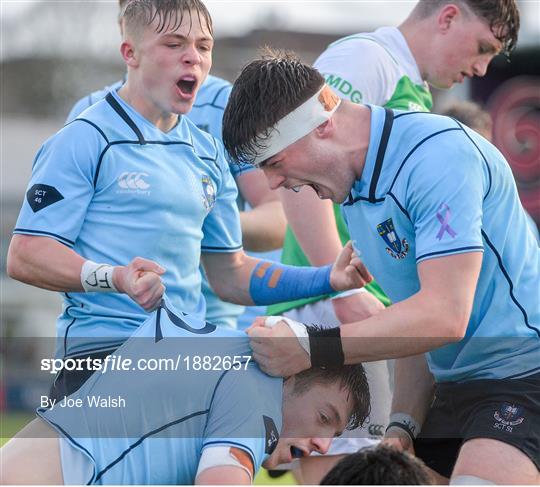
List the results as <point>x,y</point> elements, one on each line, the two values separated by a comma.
<point>92,124</point>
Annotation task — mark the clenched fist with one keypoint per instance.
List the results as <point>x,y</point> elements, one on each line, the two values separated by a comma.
<point>141,281</point>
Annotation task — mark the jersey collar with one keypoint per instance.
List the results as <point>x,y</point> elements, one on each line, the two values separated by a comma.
<point>136,122</point>
<point>365,188</point>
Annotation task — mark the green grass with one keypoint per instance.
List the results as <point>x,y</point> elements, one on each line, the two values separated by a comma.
<point>11,423</point>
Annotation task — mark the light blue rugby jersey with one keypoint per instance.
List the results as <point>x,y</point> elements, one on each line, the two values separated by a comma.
<point>170,416</point>
<point>112,186</point>
<point>207,114</point>
<point>430,188</point>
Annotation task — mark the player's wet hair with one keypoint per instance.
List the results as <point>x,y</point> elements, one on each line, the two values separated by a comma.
<point>502,16</point>
<point>381,465</point>
<point>266,90</point>
<point>137,14</point>
<point>351,378</point>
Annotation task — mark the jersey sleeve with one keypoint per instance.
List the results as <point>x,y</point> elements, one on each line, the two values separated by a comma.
<point>61,186</point>
<point>246,413</point>
<point>445,195</point>
<point>221,227</point>
<point>359,69</point>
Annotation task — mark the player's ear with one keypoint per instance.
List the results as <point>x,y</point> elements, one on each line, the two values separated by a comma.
<point>447,16</point>
<point>129,53</point>
<point>325,129</point>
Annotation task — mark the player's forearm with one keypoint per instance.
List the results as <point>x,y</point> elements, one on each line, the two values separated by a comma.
<point>240,279</point>
<point>45,263</point>
<point>411,327</point>
<point>413,387</point>
<point>313,223</point>
<point>263,227</point>
<point>229,275</point>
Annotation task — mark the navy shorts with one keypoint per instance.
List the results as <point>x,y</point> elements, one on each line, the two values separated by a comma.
<point>507,410</point>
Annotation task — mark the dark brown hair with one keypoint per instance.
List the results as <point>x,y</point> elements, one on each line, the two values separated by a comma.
<point>351,378</point>
<point>170,13</point>
<point>381,465</point>
<point>502,16</point>
<point>266,90</point>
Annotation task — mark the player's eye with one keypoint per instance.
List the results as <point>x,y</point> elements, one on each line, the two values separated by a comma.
<point>484,49</point>
<point>324,418</point>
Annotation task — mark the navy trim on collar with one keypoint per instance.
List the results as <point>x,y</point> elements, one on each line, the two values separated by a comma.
<point>387,128</point>
<point>118,109</point>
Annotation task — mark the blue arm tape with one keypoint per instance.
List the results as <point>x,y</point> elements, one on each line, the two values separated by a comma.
<point>275,283</point>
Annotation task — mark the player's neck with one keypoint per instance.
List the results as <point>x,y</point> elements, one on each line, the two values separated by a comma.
<point>164,121</point>
<point>414,33</point>
<point>356,126</point>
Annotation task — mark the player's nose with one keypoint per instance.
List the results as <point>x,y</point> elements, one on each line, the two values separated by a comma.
<point>191,55</point>
<point>480,67</point>
<point>321,445</point>
<point>274,180</point>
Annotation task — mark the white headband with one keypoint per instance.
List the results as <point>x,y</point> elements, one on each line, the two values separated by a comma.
<point>300,122</point>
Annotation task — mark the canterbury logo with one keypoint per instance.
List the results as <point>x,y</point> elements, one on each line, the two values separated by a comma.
<point>133,180</point>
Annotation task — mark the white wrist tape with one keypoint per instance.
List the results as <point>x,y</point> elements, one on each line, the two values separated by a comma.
<point>409,424</point>
<point>350,292</point>
<point>224,456</point>
<point>299,329</point>
<point>97,278</point>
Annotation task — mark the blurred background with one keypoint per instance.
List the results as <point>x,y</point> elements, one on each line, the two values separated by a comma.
<point>54,52</point>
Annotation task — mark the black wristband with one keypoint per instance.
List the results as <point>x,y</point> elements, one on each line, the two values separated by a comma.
<point>325,346</point>
<point>404,427</point>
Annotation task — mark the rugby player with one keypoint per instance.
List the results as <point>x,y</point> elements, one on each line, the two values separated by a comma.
<point>207,425</point>
<point>132,180</point>
<point>263,228</point>
<point>391,67</point>
<point>433,210</point>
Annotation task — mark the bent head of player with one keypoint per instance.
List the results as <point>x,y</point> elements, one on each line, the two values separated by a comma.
<point>382,465</point>
<point>167,47</point>
<point>317,406</point>
<point>462,36</point>
<point>283,118</point>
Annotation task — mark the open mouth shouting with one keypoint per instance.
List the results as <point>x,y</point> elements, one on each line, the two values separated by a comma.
<point>187,86</point>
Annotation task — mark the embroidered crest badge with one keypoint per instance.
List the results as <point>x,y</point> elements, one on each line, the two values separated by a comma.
<point>209,192</point>
<point>509,415</point>
<point>397,248</point>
